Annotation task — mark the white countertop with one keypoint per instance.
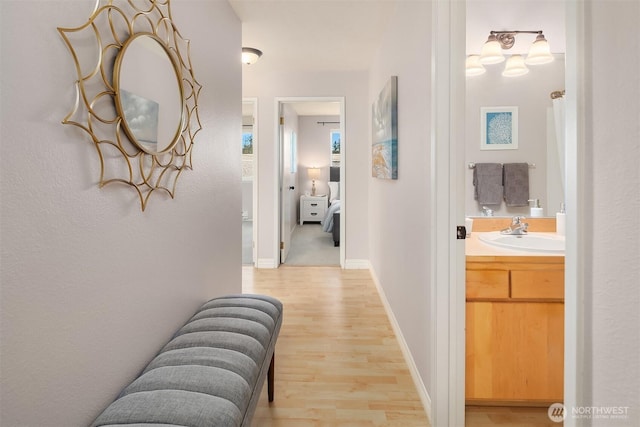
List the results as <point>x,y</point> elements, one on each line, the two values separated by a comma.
<point>475,247</point>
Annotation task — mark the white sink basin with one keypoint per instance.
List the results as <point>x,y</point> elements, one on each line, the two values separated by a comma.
<point>537,242</point>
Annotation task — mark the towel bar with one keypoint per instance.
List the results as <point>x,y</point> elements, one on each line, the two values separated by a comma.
<point>473,165</point>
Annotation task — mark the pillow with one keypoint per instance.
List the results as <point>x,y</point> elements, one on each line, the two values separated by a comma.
<point>334,191</point>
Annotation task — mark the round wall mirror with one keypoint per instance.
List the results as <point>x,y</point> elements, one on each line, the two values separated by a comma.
<point>149,93</point>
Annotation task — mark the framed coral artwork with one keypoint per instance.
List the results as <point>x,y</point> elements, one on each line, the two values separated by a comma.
<point>498,128</point>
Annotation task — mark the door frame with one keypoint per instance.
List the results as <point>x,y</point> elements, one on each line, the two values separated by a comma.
<point>447,305</point>
<point>575,197</point>
<point>279,101</point>
<point>282,191</point>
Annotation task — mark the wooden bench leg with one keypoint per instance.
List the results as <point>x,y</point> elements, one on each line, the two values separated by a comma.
<point>271,377</point>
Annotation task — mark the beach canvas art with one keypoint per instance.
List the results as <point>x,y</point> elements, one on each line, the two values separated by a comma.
<point>384,153</point>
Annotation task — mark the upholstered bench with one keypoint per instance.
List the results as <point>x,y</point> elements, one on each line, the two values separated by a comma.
<point>212,371</point>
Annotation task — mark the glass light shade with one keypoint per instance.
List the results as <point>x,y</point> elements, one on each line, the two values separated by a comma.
<point>250,55</point>
<point>314,173</point>
<point>491,51</point>
<point>473,67</point>
<point>515,67</point>
<point>539,53</point>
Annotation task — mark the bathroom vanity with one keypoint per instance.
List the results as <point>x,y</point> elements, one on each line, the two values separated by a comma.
<point>514,325</point>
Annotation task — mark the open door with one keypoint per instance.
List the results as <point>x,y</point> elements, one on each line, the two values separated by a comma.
<point>287,141</point>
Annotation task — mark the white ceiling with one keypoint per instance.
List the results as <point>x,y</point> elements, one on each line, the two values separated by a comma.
<point>316,35</point>
<point>339,35</point>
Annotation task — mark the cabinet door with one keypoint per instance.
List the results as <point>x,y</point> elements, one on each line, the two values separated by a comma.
<point>515,351</point>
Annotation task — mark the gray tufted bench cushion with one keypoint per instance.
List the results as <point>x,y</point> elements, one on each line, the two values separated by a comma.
<point>212,371</point>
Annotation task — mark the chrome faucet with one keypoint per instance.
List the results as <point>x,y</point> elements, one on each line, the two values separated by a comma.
<point>517,227</point>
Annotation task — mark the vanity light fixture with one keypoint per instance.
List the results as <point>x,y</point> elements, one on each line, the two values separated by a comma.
<point>491,53</point>
<point>250,55</point>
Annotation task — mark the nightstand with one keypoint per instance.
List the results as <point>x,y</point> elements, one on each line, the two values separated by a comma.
<point>313,208</point>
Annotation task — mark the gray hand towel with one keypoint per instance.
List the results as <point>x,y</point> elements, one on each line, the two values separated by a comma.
<point>516,184</point>
<point>487,179</point>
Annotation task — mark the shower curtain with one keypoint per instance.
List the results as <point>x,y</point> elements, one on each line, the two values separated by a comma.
<point>559,119</point>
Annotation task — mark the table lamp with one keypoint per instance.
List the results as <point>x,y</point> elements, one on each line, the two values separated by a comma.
<point>314,173</point>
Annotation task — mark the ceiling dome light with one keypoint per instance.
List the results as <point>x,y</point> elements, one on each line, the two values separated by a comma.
<point>539,53</point>
<point>250,55</point>
<point>473,66</point>
<point>491,51</point>
<point>515,67</point>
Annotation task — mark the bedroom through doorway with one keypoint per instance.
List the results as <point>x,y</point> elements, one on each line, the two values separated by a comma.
<point>311,139</point>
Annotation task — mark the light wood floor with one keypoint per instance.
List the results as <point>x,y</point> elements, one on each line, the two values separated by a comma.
<point>338,362</point>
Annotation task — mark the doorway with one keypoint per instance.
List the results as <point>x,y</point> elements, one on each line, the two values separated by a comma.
<point>249,176</point>
<point>499,384</point>
<point>573,125</point>
<point>311,180</point>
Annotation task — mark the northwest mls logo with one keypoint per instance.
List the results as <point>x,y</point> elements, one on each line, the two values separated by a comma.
<point>557,412</point>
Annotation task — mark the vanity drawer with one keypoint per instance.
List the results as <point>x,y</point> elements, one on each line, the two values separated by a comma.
<point>547,284</point>
<point>487,284</point>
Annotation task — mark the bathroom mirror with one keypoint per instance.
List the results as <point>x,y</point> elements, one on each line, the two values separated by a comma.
<point>151,109</point>
<point>530,94</point>
<point>537,135</point>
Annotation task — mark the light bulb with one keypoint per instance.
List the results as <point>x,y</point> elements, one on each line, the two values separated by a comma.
<point>515,67</point>
<point>539,53</point>
<point>473,67</point>
<point>491,51</point>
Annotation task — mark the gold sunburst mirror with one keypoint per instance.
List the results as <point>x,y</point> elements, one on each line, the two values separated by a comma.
<point>136,94</point>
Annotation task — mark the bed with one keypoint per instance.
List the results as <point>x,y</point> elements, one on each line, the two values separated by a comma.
<point>331,221</point>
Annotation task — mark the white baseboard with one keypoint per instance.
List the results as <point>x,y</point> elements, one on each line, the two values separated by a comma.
<point>266,263</point>
<point>357,264</point>
<point>413,369</point>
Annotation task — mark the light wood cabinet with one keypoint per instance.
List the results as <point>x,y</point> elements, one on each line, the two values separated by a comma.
<point>514,330</point>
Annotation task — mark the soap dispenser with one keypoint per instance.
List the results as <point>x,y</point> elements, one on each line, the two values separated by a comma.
<point>561,221</point>
<point>536,210</point>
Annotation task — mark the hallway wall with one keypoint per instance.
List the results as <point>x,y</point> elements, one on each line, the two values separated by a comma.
<point>399,214</point>
<point>92,286</point>
<point>611,181</point>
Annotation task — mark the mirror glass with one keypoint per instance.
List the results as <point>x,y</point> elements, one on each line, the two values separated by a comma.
<point>529,94</point>
<point>149,95</point>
